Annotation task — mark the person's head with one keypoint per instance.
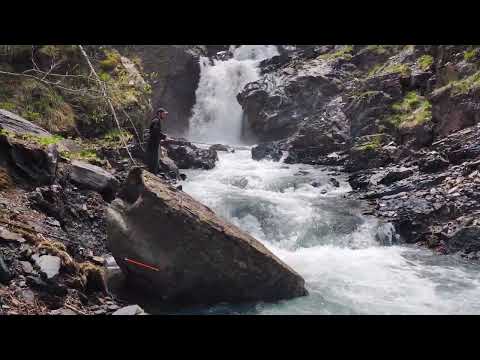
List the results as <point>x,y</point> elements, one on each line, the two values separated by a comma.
<point>162,113</point>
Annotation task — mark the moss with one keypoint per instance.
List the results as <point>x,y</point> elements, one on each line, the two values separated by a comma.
<point>7,106</point>
<point>466,85</point>
<point>425,62</point>
<point>56,248</point>
<point>89,155</point>
<point>412,110</point>
<point>385,69</point>
<point>94,277</point>
<point>343,53</point>
<point>40,140</point>
<point>373,144</point>
<point>104,76</point>
<point>470,54</point>
<point>111,60</point>
<point>115,136</point>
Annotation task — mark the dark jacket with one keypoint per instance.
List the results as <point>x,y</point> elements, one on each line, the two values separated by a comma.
<point>156,131</point>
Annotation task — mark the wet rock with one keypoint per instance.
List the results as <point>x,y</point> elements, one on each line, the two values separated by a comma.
<point>267,151</point>
<point>130,310</point>
<point>467,239</point>
<point>220,147</point>
<point>48,264</point>
<point>241,182</point>
<point>167,165</point>
<point>5,274</point>
<point>321,134</point>
<point>188,156</point>
<point>228,264</point>
<point>334,182</point>
<point>92,177</point>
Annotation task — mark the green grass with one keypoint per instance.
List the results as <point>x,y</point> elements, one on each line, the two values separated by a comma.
<point>87,155</point>
<point>372,145</point>
<point>40,140</point>
<point>115,136</point>
<point>7,106</point>
<point>412,110</point>
<point>111,61</point>
<point>425,62</point>
<point>342,53</point>
<point>469,55</point>
<point>466,85</point>
<point>389,69</point>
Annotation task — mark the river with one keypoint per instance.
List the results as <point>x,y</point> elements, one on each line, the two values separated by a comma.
<point>317,230</point>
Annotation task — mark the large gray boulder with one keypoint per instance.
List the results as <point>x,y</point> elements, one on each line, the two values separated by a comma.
<point>177,250</point>
<point>91,177</point>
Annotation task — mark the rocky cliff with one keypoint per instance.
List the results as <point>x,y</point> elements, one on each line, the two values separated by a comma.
<point>401,119</point>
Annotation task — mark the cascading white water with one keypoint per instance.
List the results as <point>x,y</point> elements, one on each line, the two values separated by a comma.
<point>315,229</point>
<point>324,237</point>
<point>217,115</point>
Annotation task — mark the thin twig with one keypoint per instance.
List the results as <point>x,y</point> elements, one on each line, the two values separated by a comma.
<point>107,99</point>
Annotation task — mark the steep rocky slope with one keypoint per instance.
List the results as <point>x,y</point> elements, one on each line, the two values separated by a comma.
<point>401,119</point>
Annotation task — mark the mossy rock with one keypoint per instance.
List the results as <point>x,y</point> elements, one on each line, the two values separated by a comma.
<point>372,143</point>
<point>412,110</point>
<point>425,62</point>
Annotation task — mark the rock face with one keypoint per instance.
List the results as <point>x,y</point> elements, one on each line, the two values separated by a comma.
<point>276,104</point>
<point>95,178</point>
<point>268,151</point>
<point>176,75</point>
<point>22,154</point>
<point>180,251</point>
<point>188,156</point>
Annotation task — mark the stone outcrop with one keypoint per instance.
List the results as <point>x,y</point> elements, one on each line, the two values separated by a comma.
<point>22,153</point>
<point>177,249</point>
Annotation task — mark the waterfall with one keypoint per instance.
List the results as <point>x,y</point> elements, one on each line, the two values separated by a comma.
<point>217,115</point>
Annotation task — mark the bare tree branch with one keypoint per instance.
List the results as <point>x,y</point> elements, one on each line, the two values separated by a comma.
<point>103,87</point>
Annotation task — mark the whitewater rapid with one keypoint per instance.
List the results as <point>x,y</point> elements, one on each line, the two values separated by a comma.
<point>324,237</point>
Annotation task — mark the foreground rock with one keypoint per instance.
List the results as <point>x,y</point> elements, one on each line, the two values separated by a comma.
<point>130,310</point>
<point>21,152</point>
<point>188,156</point>
<point>190,255</point>
<point>91,177</point>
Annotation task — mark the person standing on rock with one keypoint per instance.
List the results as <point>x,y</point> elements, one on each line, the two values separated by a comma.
<point>156,136</point>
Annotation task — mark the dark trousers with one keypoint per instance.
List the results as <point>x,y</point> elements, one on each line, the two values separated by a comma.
<point>152,157</point>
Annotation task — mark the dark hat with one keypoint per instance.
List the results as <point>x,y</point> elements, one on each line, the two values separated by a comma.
<point>162,110</point>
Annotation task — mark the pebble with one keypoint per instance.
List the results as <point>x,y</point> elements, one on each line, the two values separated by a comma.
<point>26,267</point>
